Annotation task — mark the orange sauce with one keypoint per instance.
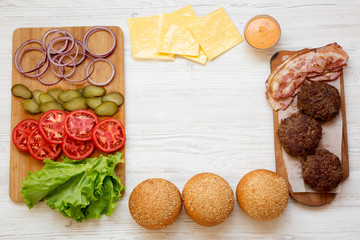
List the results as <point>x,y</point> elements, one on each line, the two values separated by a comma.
<point>262,32</point>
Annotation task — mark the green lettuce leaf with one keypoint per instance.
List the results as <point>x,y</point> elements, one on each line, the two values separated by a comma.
<point>77,189</point>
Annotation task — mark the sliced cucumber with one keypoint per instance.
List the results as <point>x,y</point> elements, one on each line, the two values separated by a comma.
<point>55,93</point>
<point>76,104</point>
<point>115,97</point>
<point>31,106</point>
<point>19,90</point>
<point>106,109</point>
<point>93,102</point>
<point>93,91</point>
<point>36,93</point>
<point>51,106</point>
<point>68,95</point>
<point>44,98</point>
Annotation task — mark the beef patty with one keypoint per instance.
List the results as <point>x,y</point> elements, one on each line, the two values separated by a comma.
<point>322,171</point>
<point>319,100</point>
<point>299,134</point>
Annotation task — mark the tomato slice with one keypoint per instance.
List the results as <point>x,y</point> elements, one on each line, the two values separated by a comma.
<point>75,149</point>
<point>40,149</point>
<point>109,135</point>
<point>51,126</point>
<point>21,132</point>
<point>79,124</point>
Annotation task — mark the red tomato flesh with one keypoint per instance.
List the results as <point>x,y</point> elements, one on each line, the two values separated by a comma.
<point>40,149</point>
<point>109,135</point>
<point>79,124</point>
<point>21,132</point>
<point>75,149</point>
<point>51,126</point>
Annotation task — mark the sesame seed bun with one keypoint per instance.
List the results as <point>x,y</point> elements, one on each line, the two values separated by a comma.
<point>208,199</point>
<point>155,203</point>
<point>262,194</point>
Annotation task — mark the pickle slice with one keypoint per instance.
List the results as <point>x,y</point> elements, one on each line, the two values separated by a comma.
<point>76,104</point>
<point>68,95</point>
<point>106,109</point>
<point>51,106</point>
<point>19,90</point>
<point>44,98</point>
<point>31,106</point>
<point>36,93</point>
<point>93,102</point>
<point>55,93</point>
<point>115,97</point>
<point>93,91</point>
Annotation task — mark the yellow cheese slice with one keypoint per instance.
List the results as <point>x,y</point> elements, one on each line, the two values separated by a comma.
<point>144,35</point>
<point>175,36</point>
<point>215,33</point>
<point>202,58</point>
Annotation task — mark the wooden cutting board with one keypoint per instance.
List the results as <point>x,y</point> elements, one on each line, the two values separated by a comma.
<point>307,198</point>
<point>100,42</point>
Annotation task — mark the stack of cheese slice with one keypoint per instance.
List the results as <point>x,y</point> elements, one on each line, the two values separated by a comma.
<point>182,33</point>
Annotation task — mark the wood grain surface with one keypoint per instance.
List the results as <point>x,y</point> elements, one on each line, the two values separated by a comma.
<point>309,198</point>
<point>100,42</point>
<point>183,118</point>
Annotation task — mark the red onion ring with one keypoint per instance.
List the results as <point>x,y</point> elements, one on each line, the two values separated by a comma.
<point>83,53</point>
<point>45,83</point>
<point>109,80</point>
<point>47,33</point>
<point>59,63</point>
<point>41,63</point>
<point>67,35</point>
<point>74,65</point>
<point>54,57</point>
<point>87,74</point>
<point>62,70</point>
<point>17,63</point>
<point>54,31</point>
<point>96,29</point>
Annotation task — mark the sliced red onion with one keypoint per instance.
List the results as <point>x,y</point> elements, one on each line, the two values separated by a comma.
<point>59,63</point>
<point>111,77</point>
<point>61,68</point>
<point>46,83</point>
<point>38,66</point>
<point>92,62</point>
<point>67,36</point>
<point>16,55</point>
<point>54,31</point>
<point>54,57</point>
<point>78,52</point>
<point>93,30</point>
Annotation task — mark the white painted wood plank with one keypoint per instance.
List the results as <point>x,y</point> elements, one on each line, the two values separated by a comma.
<point>183,118</point>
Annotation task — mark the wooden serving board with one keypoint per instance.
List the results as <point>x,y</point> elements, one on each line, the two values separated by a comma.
<point>100,42</point>
<point>309,198</point>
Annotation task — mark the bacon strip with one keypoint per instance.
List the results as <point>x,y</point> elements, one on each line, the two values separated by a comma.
<point>323,64</point>
<point>278,104</point>
<point>326,77</point>
<point>337,69</point>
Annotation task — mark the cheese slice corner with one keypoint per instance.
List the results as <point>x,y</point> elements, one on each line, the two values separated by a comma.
<point>144,35</point>
<point>215,33</point>
<point>175,36</point>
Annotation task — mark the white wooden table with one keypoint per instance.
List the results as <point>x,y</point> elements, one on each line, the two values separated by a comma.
<point>183,118</point>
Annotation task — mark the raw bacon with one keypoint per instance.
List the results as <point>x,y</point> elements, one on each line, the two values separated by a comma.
<point>325,77</point>
<point>318,64</point>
